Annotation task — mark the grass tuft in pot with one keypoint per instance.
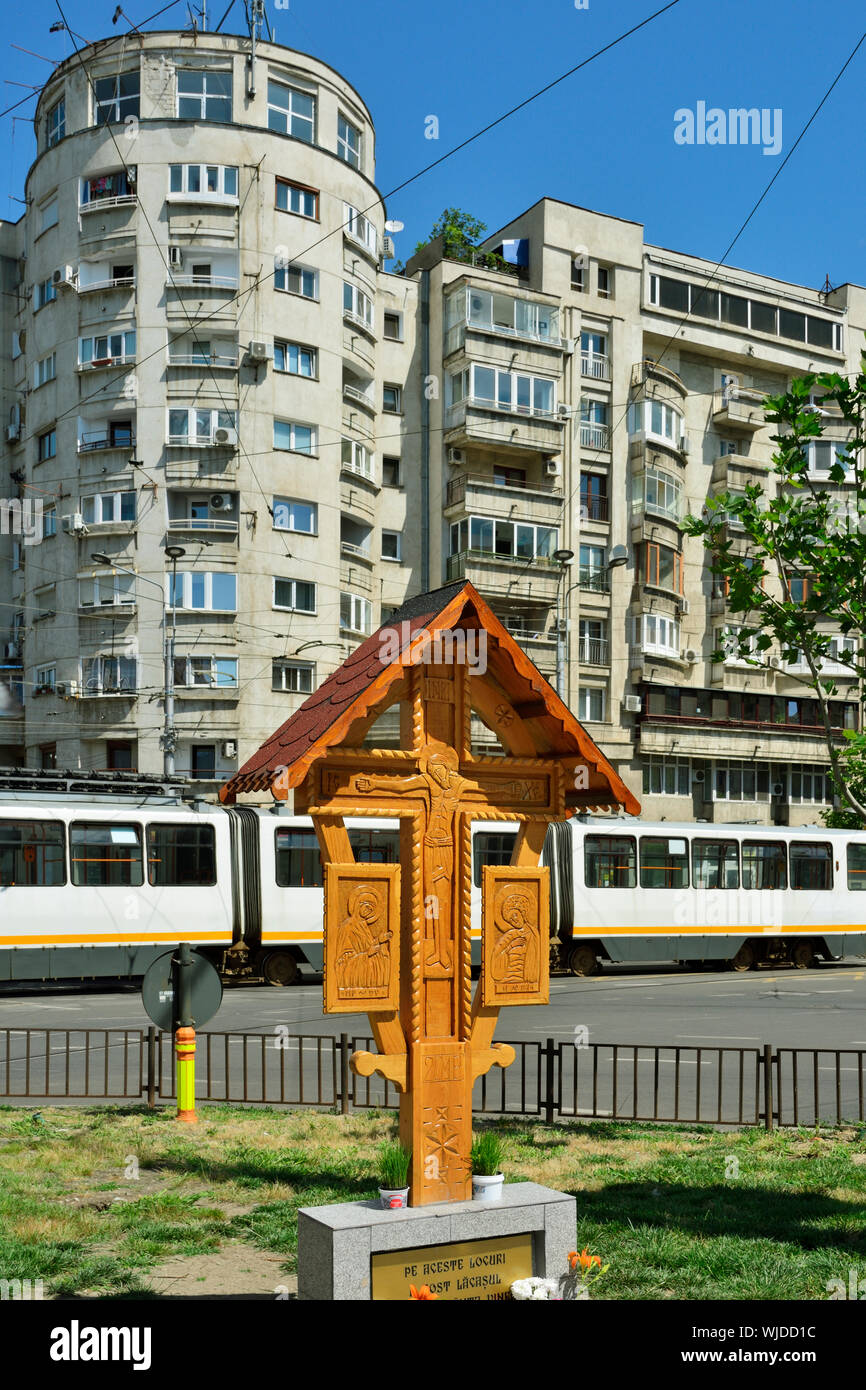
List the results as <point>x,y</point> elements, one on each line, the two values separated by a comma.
<point>394,1161</point>
<point>487,1154</point>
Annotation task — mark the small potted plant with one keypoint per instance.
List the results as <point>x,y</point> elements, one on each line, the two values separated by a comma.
<point>487,1175</point>
<point>394,1162</point>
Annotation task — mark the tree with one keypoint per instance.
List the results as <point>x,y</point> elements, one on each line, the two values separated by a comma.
<point>799,583</point>
<point>460,232</point>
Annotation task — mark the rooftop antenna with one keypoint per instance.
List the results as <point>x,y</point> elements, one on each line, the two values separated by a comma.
<point>255,13</point>
<point>826,288</point>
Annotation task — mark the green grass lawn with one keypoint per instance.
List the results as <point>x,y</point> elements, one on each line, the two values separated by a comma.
<point>91,1199</point>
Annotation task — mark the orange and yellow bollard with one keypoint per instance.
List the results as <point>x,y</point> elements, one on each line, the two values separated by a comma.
<point>184,1042</point>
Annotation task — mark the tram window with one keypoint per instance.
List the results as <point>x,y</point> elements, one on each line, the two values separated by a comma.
<point>664,863</point>
<point>715,864</point>
<point>811,866</point>
<point>764,864</point>
<point>105,855</point>
<point>32,854</point>
<point>857,867</point>
<point>181,856</point>
<point>610,861</point>
<point>490,847</point>
<point>375,846</point>
<point>299,864</point>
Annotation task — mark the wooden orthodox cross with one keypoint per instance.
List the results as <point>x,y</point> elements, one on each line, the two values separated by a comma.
<point>398,937</point>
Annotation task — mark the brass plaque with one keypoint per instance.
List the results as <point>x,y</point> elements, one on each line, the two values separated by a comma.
<point>515,936</point>
<point>473,1270</point>
<point>362,938</point>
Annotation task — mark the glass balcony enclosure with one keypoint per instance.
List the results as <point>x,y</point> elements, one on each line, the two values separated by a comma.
<point>493,312</point>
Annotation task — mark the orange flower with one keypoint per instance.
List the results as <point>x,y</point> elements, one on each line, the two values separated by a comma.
<point>585,1260</point>
<point>422,1293</point>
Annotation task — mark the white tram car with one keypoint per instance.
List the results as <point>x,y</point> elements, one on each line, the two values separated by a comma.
<point>99,876</point>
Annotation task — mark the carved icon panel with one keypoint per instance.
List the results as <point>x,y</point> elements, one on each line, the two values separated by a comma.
<point>515,936</point>
<point>362,938</point>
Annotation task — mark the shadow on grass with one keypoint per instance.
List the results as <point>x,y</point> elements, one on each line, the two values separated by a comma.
<point>246,1172</point>
<point>799,1217</point>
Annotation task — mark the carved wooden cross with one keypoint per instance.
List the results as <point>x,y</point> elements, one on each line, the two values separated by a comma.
<point>410,967</point>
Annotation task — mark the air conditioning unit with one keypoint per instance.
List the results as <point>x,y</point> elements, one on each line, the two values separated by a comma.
<point>682,606</point>
<point>632,704</point>
<point>13,432</point>
<point>260,352</point>
<point>226,436</point>
<point>562,409</point>
<point>388,250</point>
<point>552,468</point>
<point>67,689</point>
<point>73,522</point>
<point>456,456</point>
<point>221,502</point>
<point>13,651</point>
<point>778,789</point>
<point>568,345</point>
<point>64,275</point>
<point>229,749</point>
<point>175,257</point>
<point>692,656</point>
<point>698,775</point>
<point>775,662</point>
<point>684,444</point>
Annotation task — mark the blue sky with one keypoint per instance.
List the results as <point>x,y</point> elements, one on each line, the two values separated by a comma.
<point>604,138</point>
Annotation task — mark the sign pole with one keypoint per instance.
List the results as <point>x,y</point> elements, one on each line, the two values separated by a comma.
<point>184,1038</point>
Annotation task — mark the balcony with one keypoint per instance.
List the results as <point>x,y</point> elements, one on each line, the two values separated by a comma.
<point>126,360</point>
<point>115,610</point>
<point>595,365</point>
<point>357,395</point>
<point>739,409</point>
<point>361,232</point>
<point>122,200</point>
<point>211,361</point>
<point>593,651</point>
<point>118,282</point>
<point>647,370</point>
<point>739,470</point>
<point>93,441</point>
<point>486,423</point>
<point>594,436</point>
<point>207,525</point>
<point>478,491</point>
<point>356,552</point>
<point>506,576</point>
<point>202,282</point>
<point>349,316</point>
<point>594,581</point>
<point>594,507</point>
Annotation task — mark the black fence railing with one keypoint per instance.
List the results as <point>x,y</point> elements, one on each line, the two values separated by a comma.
<point>551,1079</point>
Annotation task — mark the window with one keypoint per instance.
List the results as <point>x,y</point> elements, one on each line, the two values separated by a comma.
<point>390,472</point>
<point>294,595</point>
<point>511,540</point>
<point>298,862</point>
<point>202,760</point>
<point>105,856</point>
<point>394,327</point>
<point>43,371</point>
<point>43,293</point>
<point>809,784</point>
<point>295,197</point>
<point>32,854</point>
<point>857,867</point>
<point>811,866</point>
<point>291,112</point>
<point>610,861</point>
<point>47,756</point>
<point>490,847</point>
<point>659,634</point>
<point>49,522</point>
<point>103,186</point>
<point>189,425</point>
<point>662,494</point>
<point>663,567</point>
<point>392,400</point>
<point>498,390</point>
<point>55,123</point>
<point>106,590</point>
<point>391,544</point>
<point>204,95</point>
<point>357,305</point>
<point>46,445</point>
<point>360,229</point>
<point>348,142</point>
<point>48,215</point>
<point>106,348</point>
<point>356,614</point>
<point>46,677</point>
<point>296,360</point>
<point>764,864</point>
<point>664,863</point>
<point>356,458</point>
<point>729,641</point>
<point>375,846</point>
<point>741,781</point>
<point>181,856</point>
<point>656,419</point>
<point>299,439</point>
<point>590,704</point>
<point>296,279</point>
<point>605,282</point>
<point>116,97</point>
<point>666,776</point>
<point>203,590</point>
<point>592,569</point>
<point>108,675</point>
<point>292,515</point>
<point>578,274</point>
<point>219,671</point>
<point>715,864</point>
<point>120,755</point>
<point>203,180</point>
<point>108,507</point>
<point>296,677</point>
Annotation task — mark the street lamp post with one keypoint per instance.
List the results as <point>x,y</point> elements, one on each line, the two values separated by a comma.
<point>564,559</point>
<point>168,739</point>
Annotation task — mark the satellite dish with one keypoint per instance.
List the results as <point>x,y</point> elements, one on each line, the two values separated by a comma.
<point>394,226</point>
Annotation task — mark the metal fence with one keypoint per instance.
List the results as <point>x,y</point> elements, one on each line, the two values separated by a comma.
<point>550,1079</point>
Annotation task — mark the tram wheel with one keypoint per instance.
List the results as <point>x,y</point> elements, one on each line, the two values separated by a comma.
<point>803,956</point>
<point>583,961</point>
<point>280,968</point>
<point>745,958</point>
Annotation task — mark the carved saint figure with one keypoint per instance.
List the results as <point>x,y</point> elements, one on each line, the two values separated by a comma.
<point>514,959</point>
<point>363,957</point>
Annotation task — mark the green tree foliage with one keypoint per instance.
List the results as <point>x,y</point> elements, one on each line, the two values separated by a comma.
<point>460,232</point>
<point>795,562</point>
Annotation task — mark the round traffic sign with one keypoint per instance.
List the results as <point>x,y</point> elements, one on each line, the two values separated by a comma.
<point>158,990</point>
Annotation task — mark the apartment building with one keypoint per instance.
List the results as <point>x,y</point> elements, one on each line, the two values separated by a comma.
<point>201,351</point>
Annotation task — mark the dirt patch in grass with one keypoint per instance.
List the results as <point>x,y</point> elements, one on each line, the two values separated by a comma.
<point>236,1270</point>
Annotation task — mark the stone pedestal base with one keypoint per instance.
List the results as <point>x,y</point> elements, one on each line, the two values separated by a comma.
<point>336,1244</point>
